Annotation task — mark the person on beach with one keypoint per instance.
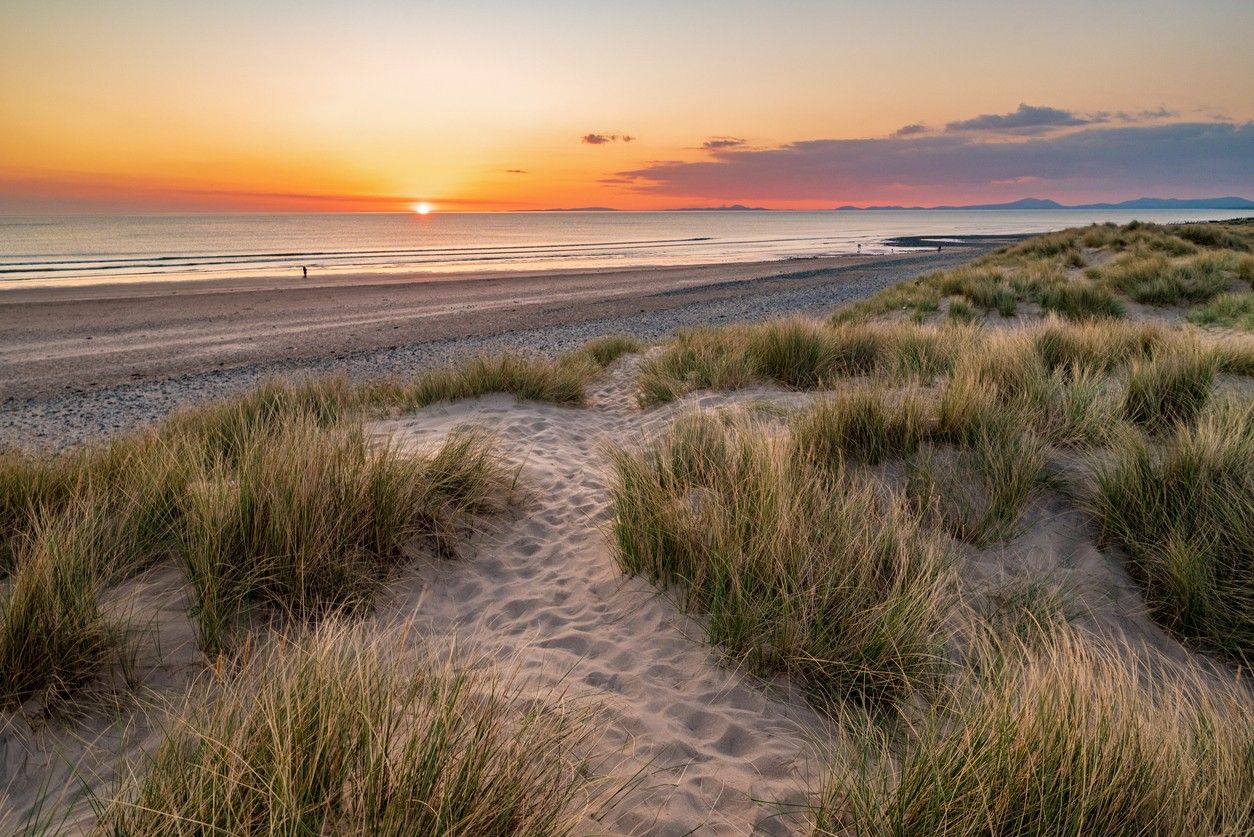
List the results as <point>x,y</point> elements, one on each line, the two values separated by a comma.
<point>304,272</point>
<point>859,248</point>
<point>938,247</point>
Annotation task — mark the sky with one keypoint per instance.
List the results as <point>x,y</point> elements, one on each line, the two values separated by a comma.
<point>306,105</point>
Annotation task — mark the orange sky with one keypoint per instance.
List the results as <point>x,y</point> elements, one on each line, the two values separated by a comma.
<point>144,105</point>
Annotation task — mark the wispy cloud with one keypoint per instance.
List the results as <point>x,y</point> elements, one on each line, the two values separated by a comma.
<point>911,130</point>
<point>1026,119</point>
<point>722,143</point>
<point>1181,158</point>
<point>515,171</point>
<point>602,139</point>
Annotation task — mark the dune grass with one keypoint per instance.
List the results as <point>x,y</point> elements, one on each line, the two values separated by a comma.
<point>795,569</point>
<point>1232,310</point>
<point>339,731</point>
<point>978,492</point>
<point>1157,265</point>
<point>1104,345</point>
<point>1080,300</point>
<point>866,425</point>
<point>797,353</point>
<point>1234,355</point>
<point>1185,516</point>
<point>1170,387</point>
<point>1156,280</point>
<point>309,520</point>
<point>55,637</point>
<point>1066,737</point>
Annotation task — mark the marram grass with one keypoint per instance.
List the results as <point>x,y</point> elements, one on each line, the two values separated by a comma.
<point>1065,738</point>
<point>341,731</point>
<point>794,569</point>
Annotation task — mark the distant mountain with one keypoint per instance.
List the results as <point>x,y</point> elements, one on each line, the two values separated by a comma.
<point>736,207</point>
<point>1041,203</point>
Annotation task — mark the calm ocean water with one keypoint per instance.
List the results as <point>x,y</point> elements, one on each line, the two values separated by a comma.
<point>83,249</point>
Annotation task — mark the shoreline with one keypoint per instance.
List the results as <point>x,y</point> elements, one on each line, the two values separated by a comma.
<point>80,363</point>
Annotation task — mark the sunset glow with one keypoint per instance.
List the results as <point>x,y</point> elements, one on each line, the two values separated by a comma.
<point>273,106</point>
<point>423,208</point>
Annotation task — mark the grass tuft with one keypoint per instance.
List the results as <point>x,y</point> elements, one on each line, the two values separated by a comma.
<point>1080,300</point>
<point>831,584</point>
<point>866,425</point>
<point>309,520</point>
<point>343,732</point>
<point>1067,738</point>
<point>1186,519</point>
<point>1171,386</point>
<point>55,638</point>
<point>1234,310</point>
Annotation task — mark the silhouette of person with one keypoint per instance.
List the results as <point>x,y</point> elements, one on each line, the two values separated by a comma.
<point>938,247</point>
<point>304,272</point>
<point>859,248</point>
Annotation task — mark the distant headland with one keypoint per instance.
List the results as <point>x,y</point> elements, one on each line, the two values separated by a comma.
<point>1044,203</point>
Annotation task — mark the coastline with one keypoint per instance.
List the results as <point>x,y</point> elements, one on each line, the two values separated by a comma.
<point>81,361</point>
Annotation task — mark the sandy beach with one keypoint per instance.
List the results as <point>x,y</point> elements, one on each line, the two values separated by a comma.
<point>88,359</point>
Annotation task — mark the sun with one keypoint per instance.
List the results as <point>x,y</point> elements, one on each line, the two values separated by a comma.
<point>422,208</point>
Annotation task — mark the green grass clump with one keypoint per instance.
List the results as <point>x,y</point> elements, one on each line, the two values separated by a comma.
<point>797,353</point>
<point>1048,245</point>
<point>984,288</point>
<point>1080,300</point>
<point>1155,280</point>
<point>1063,739</point>
<point>55,638</point>
<point>1171,386</point>
<point>960,311</point>
<point>795,570</point>
<point>1216,236</point>
<point>1185,516</point>
<point>1234,310</point>
<point>978,494</point>
<point>920,353</point>
<point>606,350</point>
<point>1082,408</point>
<point>1104,344</point>
<point>344,732</point>
<point>532,379</point>
<point>866,425</point>
<point>1234,355</point>
<point>698,358</point>
<point>309,519</point>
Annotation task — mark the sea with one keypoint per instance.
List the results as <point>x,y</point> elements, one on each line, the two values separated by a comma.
<point>110,249</point>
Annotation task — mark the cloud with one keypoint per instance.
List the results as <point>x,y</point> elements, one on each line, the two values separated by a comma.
<point>1183,159</point>
<point>1027,119</point>
<point>722,143</point>
<point>911,130</point>
<point>602,139</point>
<point>515,171</point>
<point>1153,115</point>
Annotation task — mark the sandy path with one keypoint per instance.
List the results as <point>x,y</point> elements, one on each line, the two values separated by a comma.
<point>544,591</point>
